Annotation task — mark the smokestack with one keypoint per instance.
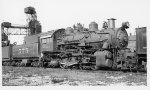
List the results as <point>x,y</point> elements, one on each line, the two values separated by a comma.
<point>111,23</point>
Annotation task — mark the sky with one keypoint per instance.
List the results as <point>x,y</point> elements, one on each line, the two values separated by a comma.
<point>55,14</point>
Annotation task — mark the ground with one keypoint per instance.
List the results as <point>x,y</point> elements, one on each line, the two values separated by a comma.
<point>32,76</point>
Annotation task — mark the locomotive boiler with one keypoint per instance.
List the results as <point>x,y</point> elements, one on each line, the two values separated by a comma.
<point>93,48</point>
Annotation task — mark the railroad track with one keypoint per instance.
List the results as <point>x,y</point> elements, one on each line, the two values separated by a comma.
<point>56,76</point>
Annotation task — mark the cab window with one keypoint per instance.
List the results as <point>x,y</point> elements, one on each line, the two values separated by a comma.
<point>46,40</point>
<point>43,40</point>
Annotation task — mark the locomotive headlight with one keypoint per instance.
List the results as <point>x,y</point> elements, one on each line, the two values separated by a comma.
<point>125,25</point>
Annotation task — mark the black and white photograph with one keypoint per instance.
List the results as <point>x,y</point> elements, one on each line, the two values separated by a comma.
<point>74,42</point>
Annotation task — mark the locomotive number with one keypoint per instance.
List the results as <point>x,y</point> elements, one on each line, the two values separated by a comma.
<point>24,50</point>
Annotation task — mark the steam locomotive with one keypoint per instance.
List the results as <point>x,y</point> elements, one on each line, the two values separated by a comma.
<point>77,47</point>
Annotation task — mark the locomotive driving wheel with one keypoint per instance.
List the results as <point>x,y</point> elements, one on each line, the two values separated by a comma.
<point>63,66</point>
<point>63,63</point>
<point>84,67</point>
<point>13,63</point>
<point>81,67</point>
<point>94,67</point>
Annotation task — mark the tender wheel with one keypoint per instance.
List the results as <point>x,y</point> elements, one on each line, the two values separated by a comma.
<point>8,63</point>
<point>32,64</point>
<point>13,63</point>
<point>4,63</point>
<point>19,64</point>
<point>22,64</point>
